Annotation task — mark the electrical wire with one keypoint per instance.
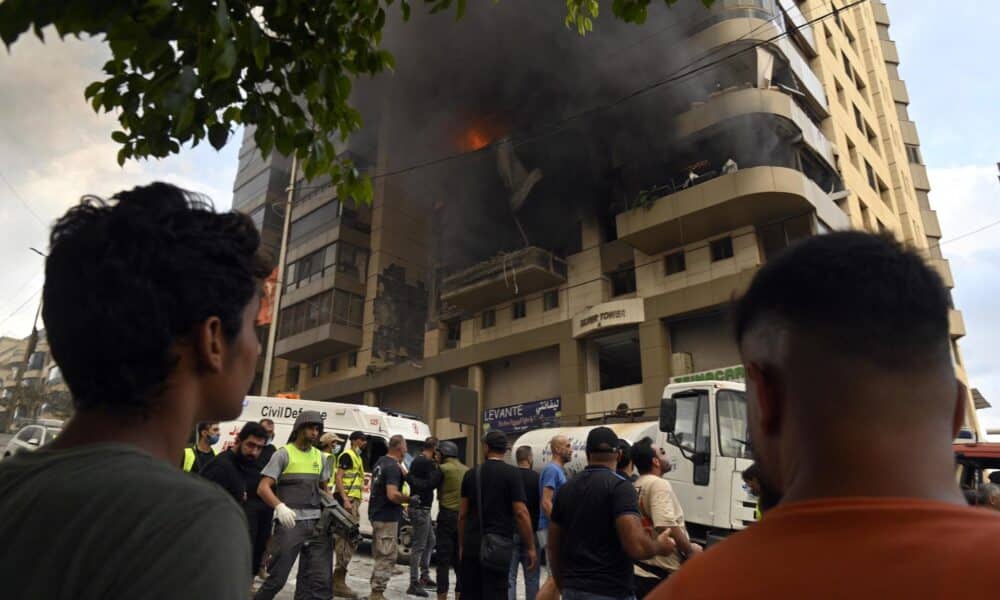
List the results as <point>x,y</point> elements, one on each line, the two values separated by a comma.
<point>558,125</point>
<point>23,203</point>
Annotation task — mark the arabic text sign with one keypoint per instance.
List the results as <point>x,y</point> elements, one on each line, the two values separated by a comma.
<point>522,417</point>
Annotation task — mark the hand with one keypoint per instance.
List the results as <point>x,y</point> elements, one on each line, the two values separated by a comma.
<point>696,548</point>
<point>667,543</point>
<point>284,515</point>
<point>348,504</point>
<point>532,559</point>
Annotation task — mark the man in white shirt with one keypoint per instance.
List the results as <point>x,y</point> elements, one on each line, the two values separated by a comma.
<point>659,511</point>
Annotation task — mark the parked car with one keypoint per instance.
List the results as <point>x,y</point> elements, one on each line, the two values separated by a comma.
<point>32,437</point>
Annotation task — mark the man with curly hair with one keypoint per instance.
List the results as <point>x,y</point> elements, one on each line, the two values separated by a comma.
<point>149,305</point>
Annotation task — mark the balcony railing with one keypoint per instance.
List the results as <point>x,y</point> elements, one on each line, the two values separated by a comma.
<point>503,278</point>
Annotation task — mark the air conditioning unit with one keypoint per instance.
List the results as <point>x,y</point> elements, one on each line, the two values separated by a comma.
<point>681,363</point>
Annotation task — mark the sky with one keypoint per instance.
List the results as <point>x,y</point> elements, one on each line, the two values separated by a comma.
<point>54,148</point>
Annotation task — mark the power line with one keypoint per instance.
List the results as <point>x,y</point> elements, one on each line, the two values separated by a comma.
<point>23,203</point>
<point>19,308</point>
<point>677,76</point>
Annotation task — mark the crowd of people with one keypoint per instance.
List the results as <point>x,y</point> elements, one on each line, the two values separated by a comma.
<point>149,305</point>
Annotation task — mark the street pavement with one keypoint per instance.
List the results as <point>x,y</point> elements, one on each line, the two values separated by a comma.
<point>360,571</point>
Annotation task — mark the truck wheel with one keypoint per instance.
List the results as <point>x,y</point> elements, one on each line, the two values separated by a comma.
<point>404,543</point>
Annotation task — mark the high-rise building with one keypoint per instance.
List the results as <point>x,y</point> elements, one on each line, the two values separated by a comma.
<point>583,290</point>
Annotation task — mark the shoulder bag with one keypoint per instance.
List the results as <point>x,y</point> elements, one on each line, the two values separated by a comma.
<point>495,550</point>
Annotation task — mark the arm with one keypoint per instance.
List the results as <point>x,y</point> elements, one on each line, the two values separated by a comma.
<point>392,492</point>
<point>684,544</point>
<point>547,495</point>
<point>523,521</point>
<point>266,493</point>
<point>636,541</point>
<point>553,552</point>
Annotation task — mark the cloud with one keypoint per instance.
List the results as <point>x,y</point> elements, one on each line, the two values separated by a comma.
<point>967,200</point>
<point>54,149</point>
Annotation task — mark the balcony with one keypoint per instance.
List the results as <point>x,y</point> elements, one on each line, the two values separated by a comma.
<point>944,270</point>
<point>932,227</point>
<point>899,93</point>
<point>606,401</point>
<point>881,12</point>
<point>753,101</point>
<point>919,174</point>
<point>889,52</point>
<point>322,341</point>
<point>321,326</point>
<point>956,324</point>
<point>503,278</point>
<point>908,131</point>
<point>757,195</point>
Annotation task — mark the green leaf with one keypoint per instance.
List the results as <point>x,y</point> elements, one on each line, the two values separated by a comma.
<point>226,61</point>
<point>217,135</point>
<point>92,89</point>
<point>119,136</point>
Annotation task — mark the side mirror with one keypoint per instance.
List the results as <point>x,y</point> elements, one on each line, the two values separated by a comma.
<point>668,414</point>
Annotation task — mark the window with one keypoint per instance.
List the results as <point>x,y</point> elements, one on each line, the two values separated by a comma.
<point>332,305</point>
<point>777,236</point>
<point>852,151</point>
<point>315,222</point>
<point>840,93</point>
<point>675,263</point>
<point>850,36</point>
<point>721,249</point>
<point>870,172</point>
<point>692,430</point>
<point>519,309</point>
<point>734,435</point>
<point>847,66</point>
<point>334,363</point>
<point>352,359</point>
<point>550,300</point>
<point>489,318</point>
<point>858,119</point>
<point>623,280</point>
<point>292,377</point>
<point>315,265</point>
<point>913,154</point>
<point>454,334</point>
<point>317,369</point>
<point>27,433</point>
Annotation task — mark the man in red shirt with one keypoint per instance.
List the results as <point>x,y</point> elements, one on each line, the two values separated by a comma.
<point>845,341</point>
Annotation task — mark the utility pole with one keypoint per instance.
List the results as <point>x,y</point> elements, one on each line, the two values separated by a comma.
<point>32,344</point>
<point>272,330</point>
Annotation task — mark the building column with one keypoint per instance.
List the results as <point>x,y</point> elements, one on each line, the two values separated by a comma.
<point>477,381</point>
<point>654,351</point>
<point>432,389</point>
<point>371,398</point>
<point>573,377</point>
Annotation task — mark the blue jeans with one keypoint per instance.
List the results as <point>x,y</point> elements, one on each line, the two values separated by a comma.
<point>581,595</point>
<point>530,577</point>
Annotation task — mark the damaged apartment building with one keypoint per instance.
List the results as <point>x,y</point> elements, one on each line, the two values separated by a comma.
<point>560,222</point>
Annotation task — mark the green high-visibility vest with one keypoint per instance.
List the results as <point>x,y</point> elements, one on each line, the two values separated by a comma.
<point>354,478</point>
<point>189,457</point>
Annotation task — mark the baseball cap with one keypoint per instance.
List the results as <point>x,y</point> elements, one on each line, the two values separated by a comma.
<point>602,439</point>
<point>496,440</point>
<point>330,438</point>
<point>357,435</point>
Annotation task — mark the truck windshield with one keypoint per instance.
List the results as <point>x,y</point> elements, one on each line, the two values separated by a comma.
<point>734,437</point>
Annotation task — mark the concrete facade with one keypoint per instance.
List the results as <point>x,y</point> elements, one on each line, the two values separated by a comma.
<point>827,95</point>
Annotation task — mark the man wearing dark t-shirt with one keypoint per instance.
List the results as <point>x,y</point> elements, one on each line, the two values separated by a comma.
<point>504,512</point>
<point>529,477</point>
<point>384,512</point>
<point>595,533</point>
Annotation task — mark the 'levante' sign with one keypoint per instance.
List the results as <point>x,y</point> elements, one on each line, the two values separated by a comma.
<point>522,417</point>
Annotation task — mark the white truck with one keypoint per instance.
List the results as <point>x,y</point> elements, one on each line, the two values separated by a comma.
<point>703,429</point>
<point>341,418</point>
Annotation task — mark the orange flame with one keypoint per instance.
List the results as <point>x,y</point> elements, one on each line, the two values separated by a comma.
<point>474,139</point>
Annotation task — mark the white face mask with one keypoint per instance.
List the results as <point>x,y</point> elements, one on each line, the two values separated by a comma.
<point>337,448</point>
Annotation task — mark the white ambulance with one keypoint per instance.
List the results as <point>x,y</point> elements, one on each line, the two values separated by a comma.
<point>340,418</point>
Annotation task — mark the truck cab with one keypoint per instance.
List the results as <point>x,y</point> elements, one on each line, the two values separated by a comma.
<point>705,436</point>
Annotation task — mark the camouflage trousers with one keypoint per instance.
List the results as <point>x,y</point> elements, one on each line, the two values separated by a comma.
<point>345,549</point>
<point>384,552</point>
